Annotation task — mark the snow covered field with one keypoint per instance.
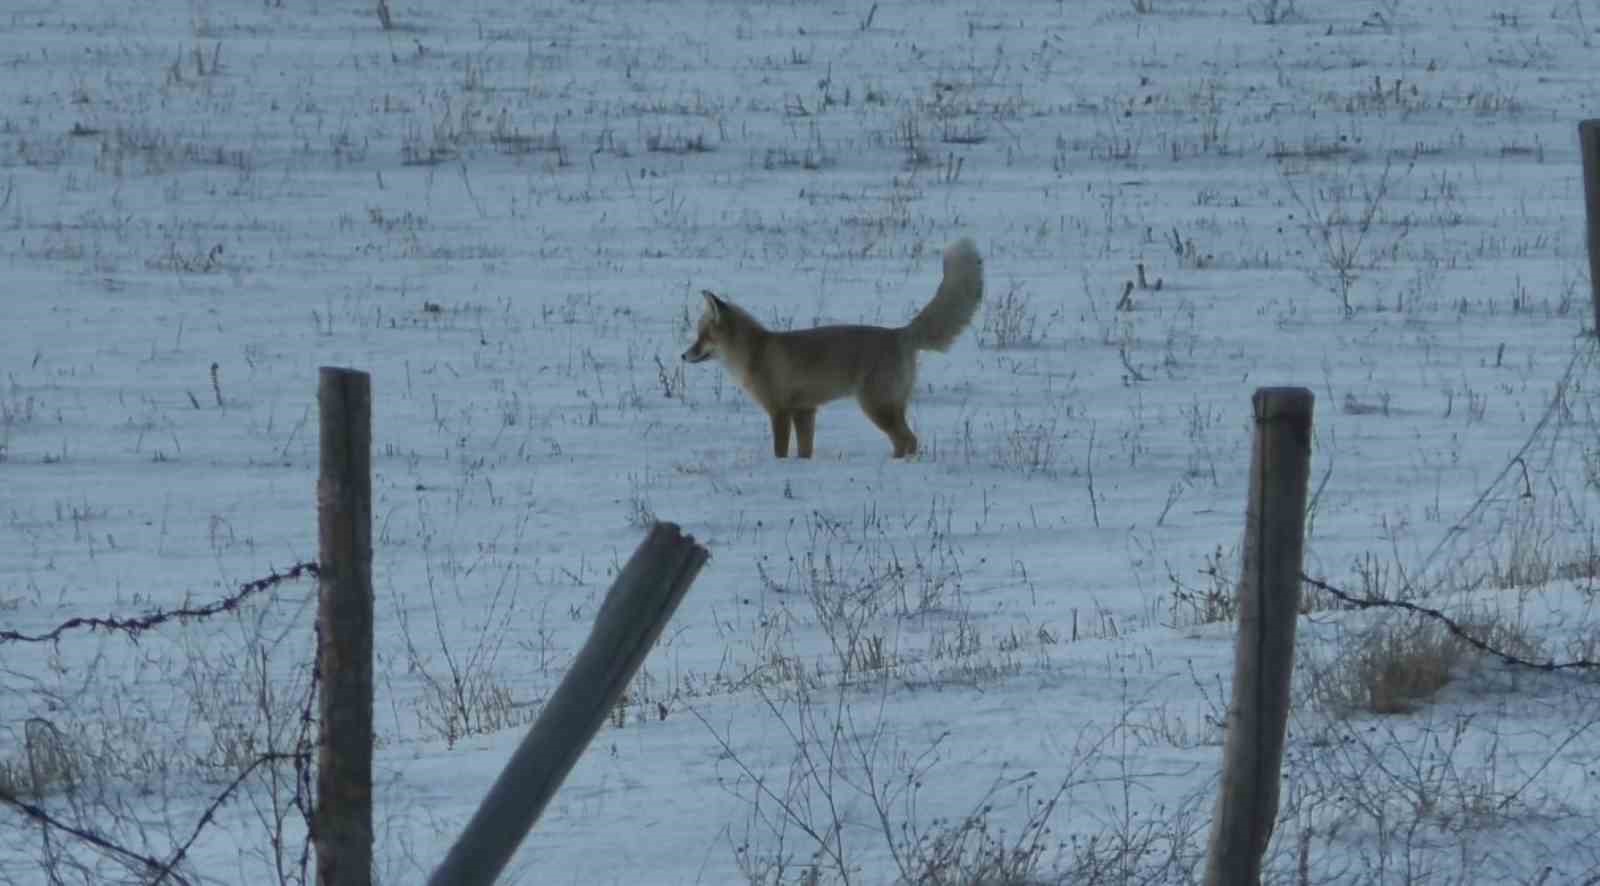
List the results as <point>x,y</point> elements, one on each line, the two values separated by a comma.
<point>1009,655</point>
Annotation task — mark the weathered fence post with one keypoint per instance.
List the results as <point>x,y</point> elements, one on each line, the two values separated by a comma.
<point>343,828</point>
<point>637,607</point>
<point>1269,603</point>
<point>1589,147</point>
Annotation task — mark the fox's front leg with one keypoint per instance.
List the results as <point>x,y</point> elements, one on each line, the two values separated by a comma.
<point>805,430</point>
<point>781,422</point>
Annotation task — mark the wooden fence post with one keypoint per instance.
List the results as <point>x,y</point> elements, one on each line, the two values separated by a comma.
<point>343,825</point>
<point>1269,604</point>
<point>637,607</point>
<point>1589,147</point>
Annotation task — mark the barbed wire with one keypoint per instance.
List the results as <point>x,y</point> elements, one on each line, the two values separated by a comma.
<point>1582,356</point>
<point>1450,625</point>
<point>169,868</point>
<point>303,799</point>
<point>136,625</point>
<point>149,863</point>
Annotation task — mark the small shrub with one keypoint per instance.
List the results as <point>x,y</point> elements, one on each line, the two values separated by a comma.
<point>974,851</point>
<point>1272,12</point>
<point>45,765</point>
<point>1028,446</point>
<point>1214,600</point>
<point>467,704</point>
<point>1010,321</point>
<point>1399,665</point>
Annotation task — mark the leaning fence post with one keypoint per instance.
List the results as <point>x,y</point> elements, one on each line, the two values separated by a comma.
<point>637,607</point>
<point>343,826</point>
<point>1589,147</point>
<point>1269,602</point>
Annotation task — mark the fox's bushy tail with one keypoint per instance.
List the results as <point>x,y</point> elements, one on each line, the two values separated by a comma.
<point>942,320</point>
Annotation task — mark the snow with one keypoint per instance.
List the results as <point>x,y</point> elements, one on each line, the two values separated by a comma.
<point>505,213</point>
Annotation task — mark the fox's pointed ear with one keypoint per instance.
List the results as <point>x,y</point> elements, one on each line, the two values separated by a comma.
<point>713,304</point>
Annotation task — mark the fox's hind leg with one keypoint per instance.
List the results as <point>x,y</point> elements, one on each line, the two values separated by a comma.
<point>805,429</point>
<point>886,391</point>
<point>780,433</point>
<point>891,419</point>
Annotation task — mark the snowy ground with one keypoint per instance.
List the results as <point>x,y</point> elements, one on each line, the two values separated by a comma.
<point>505,211</point>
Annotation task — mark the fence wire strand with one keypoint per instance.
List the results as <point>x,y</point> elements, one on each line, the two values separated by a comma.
<point>303,800</point>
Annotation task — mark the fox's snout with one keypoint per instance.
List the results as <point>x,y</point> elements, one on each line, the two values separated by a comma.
<point>697,353</point>
<point>705,341</point>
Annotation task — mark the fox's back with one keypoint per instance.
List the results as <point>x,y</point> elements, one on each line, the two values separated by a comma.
<point>809,367</point>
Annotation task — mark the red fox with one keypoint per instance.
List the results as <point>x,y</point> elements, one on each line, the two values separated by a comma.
<point>792,373</point>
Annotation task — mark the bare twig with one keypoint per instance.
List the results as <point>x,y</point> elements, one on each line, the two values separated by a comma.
<point>1094,504</point>
<point>1133,373</point>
